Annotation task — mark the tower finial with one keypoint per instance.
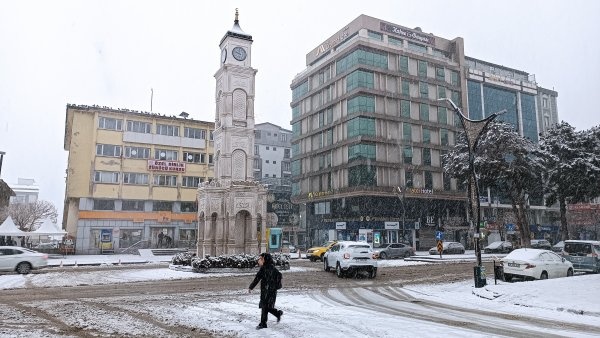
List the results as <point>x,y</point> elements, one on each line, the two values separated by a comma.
<point>236,16</point>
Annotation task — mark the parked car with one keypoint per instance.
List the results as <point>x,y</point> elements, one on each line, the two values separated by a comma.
<point>535,264</point>
<point>558,247</point>
<point>585,255</point>
<point>541,244</point>
<point>317,252</point>
<point>21,260</point>
<point>393,250</point>
<point>449,248</point>
<point>348,258</point>
<point>498,247</point>
<point>288,247</point>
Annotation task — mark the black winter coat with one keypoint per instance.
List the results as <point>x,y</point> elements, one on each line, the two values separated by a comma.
<point>268,285</point>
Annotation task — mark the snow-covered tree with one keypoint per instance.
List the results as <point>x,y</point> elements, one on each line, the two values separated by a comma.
<point>504,161</point>
<point>28,216</point>
<point>572,168</point>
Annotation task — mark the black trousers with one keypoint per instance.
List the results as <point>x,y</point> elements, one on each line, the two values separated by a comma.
<point>264,313</point>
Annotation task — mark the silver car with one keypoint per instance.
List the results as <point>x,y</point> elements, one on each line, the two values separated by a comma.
<point>21,260</point>
<point>393,250</point>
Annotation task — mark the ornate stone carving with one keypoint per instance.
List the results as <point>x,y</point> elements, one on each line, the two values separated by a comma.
<point>239,104</point>
<point>238,164</point>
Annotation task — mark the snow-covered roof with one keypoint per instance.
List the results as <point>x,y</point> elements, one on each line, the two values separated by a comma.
<point>8,228</point>
<point>48,228</point>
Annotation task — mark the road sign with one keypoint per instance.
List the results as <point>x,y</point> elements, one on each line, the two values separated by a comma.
<point>439,235</point>
<point>440,246</point>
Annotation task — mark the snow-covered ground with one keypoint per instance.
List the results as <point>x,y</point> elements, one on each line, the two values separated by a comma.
<point>334,313</point>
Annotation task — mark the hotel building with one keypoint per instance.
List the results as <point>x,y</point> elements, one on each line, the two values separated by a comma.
<point>369,132</point>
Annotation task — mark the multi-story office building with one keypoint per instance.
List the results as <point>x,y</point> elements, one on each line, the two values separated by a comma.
<point>272,166</point>
<point>369,132</point>
<point>26,191</point>
<point>131,176</point>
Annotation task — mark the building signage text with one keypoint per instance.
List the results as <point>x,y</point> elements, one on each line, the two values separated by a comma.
<point>327,45</point>
<point>386,27</point>
<point>159,165</point>
<point>392,225</point>
<point>340,225</point>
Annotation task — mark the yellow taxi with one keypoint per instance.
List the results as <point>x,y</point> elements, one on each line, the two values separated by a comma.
<point>317,252</point>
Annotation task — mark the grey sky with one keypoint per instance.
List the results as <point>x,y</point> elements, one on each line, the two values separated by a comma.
<point>111,53</point>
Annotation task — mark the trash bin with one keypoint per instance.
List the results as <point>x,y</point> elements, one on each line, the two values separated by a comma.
<point>498,271</point>
<point>479,274</point>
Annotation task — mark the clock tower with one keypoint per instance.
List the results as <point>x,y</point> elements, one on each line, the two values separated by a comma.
<point>232,208</point>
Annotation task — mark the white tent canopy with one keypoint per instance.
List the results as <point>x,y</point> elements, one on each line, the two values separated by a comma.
<point>8,228</point>
<point>47,228</point>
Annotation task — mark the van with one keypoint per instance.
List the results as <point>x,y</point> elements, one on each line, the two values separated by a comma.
<point>585,255</point>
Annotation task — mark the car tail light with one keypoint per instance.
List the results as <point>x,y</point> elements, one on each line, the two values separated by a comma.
<point>529,266</point>
<point>346,256</point>
<point>45,256</point>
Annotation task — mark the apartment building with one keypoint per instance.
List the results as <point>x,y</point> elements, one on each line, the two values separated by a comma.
<point>132,175</point>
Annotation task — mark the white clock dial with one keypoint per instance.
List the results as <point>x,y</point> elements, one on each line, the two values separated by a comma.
<point>239,53</point>
<point>223,55</point>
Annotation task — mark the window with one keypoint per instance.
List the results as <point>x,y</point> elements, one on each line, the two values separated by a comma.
<point>194,133</point>
<point>191,181</point>
<point>394,41</point>
<point>426,156</point>
<point>404,63</point>
<point>168,130</point>
<point>424,90</point>
<point>108,150</point>
<point>322,208</point>
<point>440,74</point>
<point>106,177</point>
<point>165,180</point>
<point>375,35</point>
<point>441,92</point>
<point>256,163</point>
<point>417,48</point>
<point>361,151</point>
<point>408,179</point>
<point>545,102</point>
<point>426,135</point>
<point>135,178</point>
<point>424,112</point>
<point>286,153</point>
<point>164,154</point>
<point>446,179</point>
<point>361,104</point>
<point>361,126</point>
<point>428,180</point>
<point>193,157</point>
<point>362,175</point>
<point>283,137</point>
<point>363,57</point>
<point>189,207</point>
<point>454,78</point>
<point>405,108</point>
<point>295,113</point>
<point>296,168</point>
<point>422,68</point>
<point>139,127</point>
<point>210,158</point>
<point>274,162</point>
<point>444,137</point>
<point>406,132</point>
<point>104,205</point>
<point>267,161</point>
<point>268,148</point>
<point>211,135</point>
<point>132,205</point>
<point>442,115</point>
<point>407,154</point>
<point>359,79</point>
<point>274,148</point>
<point>297,129</point>
<point>110,123</point>
<point>285,166</point>
<point>405,87</point>
<point>300,90</point>
<point>162,206</point>
<point>137,152</point>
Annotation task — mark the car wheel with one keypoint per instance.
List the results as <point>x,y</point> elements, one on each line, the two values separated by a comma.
<point>373,273</point>
<point>406,254</point>
<point>23,268</point>
<point>326,266</point>
<point>507,277</point>
<point>338,271</point>
<point>544,275</point>
<point>312,259</point>
<point>383,255</point>
<point>322,256</point>
<point>570,273</point>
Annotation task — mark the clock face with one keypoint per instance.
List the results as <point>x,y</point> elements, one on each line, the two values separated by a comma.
<point>223,55</point>
<point>239,53</point>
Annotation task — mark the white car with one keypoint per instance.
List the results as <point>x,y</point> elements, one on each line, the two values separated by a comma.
<point>535,264</point>
<point>21,260</point>
<point>348,258</point>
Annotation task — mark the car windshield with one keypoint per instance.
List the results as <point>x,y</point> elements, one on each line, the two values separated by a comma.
<point>523,255</point>
<point>578,249</point>
<point>495,245</point>
<point>359,247</point>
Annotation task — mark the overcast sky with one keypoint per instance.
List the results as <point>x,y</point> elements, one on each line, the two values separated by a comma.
<point>111,53</point>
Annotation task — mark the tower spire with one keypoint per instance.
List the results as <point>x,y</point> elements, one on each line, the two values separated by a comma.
<point>236,21</point>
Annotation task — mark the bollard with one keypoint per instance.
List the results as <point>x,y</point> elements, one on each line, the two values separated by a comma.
<point>61,264</point>
<point>119,261</point>
<point>75,264</point>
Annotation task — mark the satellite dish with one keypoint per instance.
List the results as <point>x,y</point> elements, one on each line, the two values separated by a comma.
<point>133,152</point>
<point>190,157</point>
<point>163,154</point>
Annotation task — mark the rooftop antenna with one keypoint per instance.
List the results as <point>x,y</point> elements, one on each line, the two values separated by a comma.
<point>236,17</point>
<point>151,97</point>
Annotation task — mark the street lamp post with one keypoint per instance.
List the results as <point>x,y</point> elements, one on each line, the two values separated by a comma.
<point>473,131</point>
<point>402,196</point>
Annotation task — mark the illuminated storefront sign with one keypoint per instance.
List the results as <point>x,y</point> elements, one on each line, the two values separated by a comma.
<point>403,32</point>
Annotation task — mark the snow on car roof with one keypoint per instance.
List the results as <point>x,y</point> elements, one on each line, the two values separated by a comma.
<point>524,253</point>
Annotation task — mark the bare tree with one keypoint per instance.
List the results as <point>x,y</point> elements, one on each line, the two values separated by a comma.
<point>28,216</point>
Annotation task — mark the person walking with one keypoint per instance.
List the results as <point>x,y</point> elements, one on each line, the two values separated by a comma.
<point>270,281</point>
<point>161,235</point>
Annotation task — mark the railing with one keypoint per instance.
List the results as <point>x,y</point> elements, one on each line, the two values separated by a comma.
<point>138,245</point>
